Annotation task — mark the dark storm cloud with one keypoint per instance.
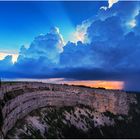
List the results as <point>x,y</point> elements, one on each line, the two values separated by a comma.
<point>112,51</point>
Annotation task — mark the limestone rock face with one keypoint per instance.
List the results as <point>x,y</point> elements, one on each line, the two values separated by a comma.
<point>75,122</point>
<point>51,121</point>
<point>19,99</point>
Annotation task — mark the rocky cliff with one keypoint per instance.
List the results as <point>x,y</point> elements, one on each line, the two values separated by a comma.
<point>19,99</point>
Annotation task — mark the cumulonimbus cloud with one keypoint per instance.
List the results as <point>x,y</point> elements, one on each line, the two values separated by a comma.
<point>111,52</point>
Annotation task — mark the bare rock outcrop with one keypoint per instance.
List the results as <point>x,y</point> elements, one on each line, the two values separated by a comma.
<point>36,95</point>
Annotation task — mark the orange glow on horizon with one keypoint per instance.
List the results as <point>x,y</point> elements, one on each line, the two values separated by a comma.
<point>89,83</point>
<point>99,84</point>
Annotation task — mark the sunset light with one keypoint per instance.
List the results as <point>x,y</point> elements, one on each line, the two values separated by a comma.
<point>70,69</point>
<point>4,54</point>
<point>100,84</point>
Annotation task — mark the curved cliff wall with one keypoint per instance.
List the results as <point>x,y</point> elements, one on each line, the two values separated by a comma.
<point>57,95</point>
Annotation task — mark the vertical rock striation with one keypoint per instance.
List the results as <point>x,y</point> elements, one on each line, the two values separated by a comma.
<point>15,106</point>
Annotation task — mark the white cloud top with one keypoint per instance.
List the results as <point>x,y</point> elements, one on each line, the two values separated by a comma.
<point>111,2</point>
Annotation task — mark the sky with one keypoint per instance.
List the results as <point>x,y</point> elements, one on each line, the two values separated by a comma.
<point>22,21</point>
<point>94,43</point>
